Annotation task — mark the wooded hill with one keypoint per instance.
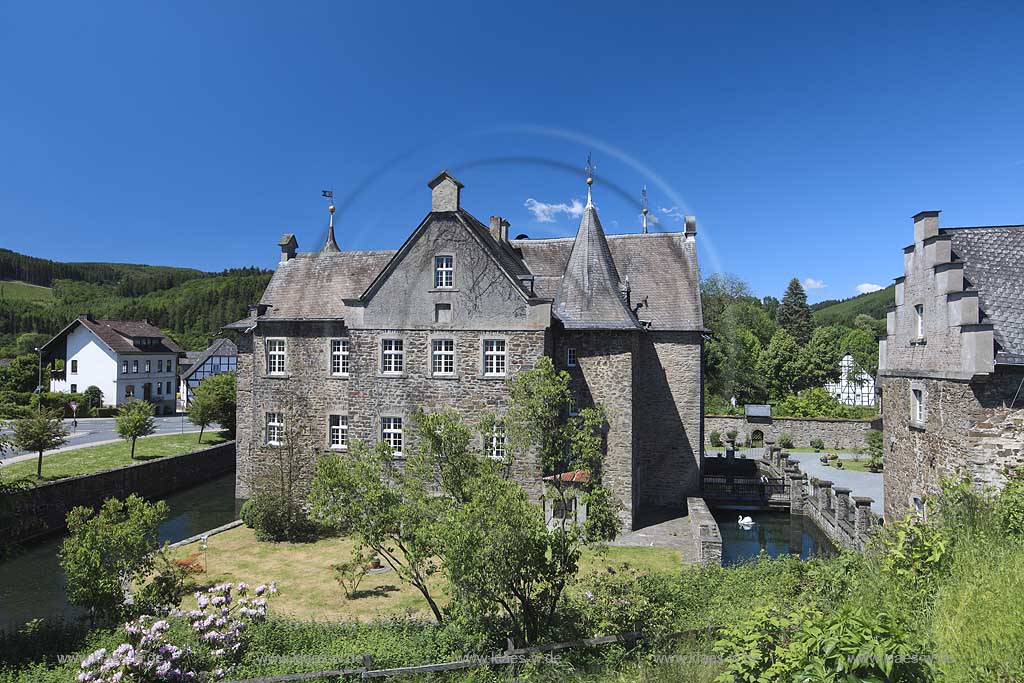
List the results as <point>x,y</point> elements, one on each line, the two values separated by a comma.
<point>845,311</point>
<point>189,304</point>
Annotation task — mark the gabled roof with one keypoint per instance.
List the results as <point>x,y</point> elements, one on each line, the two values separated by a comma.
<point>590,294</point>
<point>992,258</point>
<point>219,347</point>
<point>119,335</point>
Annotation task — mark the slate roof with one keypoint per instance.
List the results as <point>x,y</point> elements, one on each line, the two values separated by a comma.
<point>590,294</point>
<point>119,335</point>
<point>219,347</point>
<point>992,258</point>
<point>661,268</point>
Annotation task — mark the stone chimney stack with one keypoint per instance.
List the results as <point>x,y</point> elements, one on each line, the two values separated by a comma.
<point>691,227</point>
<point>289,245</point>
<point>504,230</point>
<point>495,227</point>
<point>926,224</point>
<point>444,192</point>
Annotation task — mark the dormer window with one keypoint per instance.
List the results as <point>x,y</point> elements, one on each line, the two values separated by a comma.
<point>444,272</point>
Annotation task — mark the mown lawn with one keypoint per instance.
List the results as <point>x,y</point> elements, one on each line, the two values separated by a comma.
<point>15,290</point>
<point>308,590</point>
<point>108,456</point>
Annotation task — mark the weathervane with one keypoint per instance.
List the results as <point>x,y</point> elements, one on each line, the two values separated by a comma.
<point>643,202</point>
<point>590,178</point>
<point>330,245</point>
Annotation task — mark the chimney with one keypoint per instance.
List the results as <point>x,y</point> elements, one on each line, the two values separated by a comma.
<point>691,226</point>
<point>504,230</point>
<point>86,316</point>
<point>495,228</point>
<point>926,224</point>
<point>444,192</point>
<point>289,245</point>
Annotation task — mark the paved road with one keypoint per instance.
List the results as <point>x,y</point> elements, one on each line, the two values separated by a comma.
<point>867,484</point>
<point>95,430</point>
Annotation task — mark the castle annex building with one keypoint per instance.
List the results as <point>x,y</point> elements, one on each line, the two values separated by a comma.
<point>951,365</point>
<point>350,343</point>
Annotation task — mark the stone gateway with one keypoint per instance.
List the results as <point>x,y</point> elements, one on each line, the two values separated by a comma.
<point>346,345</point>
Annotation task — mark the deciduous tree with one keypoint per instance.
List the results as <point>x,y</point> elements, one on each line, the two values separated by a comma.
<point>39,432</point>
<point>135,420</point>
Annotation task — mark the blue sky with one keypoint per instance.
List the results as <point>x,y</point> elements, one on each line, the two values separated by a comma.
<point>803,136</point>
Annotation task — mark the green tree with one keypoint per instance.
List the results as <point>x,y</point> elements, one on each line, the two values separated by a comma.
<point>39,432</point>
<point>779,364</point>
<point>794,315</point>
<point>134,420</point>
<point>203,409</point>
<point>28,342</point>
<point>106,552</point>
<point>22,374</point>
<point>819,358</point>
<point>221,389</point>
<point>862,343</point>
<point>93,397</point>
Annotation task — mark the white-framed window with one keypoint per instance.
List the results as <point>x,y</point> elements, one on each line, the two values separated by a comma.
<point>74,367</point>
<point>392,355</point>
<point>919,320</point>
<point>570,357</point>
<point>494,443</point>
<point>276,356</point>
<point>339,357</point>
<point>338,431</point>
<point>129,391</point>
<point>391,433</point>
<point>494,357</point>
<point>124,367</point>
<point>444,271</point>
<point>275,429</point>
<point>135,366</point>
<point>159,364</point>
<point>148,366</point>
<point>159,388</point>
<point>442,356</point>
<point>917,405</point>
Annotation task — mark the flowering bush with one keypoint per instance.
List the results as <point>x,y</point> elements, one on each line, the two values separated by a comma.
<point>220,622</point>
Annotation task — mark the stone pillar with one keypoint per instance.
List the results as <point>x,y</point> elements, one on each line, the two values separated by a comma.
<point>730,449</point>
<point>862,519</point>
<point>771,452</point>
<point>824,495</point>
<point>842,503</point>
<point>796,493</point>
<point>783,460</point>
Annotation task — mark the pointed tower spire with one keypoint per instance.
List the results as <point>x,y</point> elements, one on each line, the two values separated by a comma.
<point>643,201</point>
<point>590,295</point>
<point>330,246</point>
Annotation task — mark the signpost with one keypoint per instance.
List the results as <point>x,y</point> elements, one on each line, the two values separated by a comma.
<point>74,415</point>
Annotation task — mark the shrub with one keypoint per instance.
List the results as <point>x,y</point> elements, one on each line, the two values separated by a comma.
<point>731,434</point>
<point>785,440</point>
<point>715,438</point>
<point>817,444</point>
<point>278,518</point>
<point>351,573</point>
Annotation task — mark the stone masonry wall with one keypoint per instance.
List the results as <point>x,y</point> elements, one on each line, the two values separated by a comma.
<point>844,434</point>
<point>953,438</point>
<point>309,393</point>
<point>43,509</point>
<point>668,413</point>
<point>604,375</point>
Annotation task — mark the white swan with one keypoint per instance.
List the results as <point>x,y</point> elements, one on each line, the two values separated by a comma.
<point>745,522</point>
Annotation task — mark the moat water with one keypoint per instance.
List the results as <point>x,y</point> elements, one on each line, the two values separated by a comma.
<point>32,582</point>
<point>773,533</point>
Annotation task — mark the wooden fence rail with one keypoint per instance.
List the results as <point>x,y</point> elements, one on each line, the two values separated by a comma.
<point>512,655</point>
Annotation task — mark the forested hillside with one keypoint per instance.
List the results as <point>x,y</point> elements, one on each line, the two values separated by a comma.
<point>188,304</point>
<point>845,311</point>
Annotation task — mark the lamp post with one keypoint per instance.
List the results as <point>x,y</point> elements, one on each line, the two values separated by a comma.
<point>39,387</point>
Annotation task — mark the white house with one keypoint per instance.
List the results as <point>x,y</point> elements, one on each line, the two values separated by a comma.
<point>220,357</point>
<point>853,388</point>
<point>126,359</point>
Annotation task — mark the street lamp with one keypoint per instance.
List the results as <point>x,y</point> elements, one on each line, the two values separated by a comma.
<point>39,387</point>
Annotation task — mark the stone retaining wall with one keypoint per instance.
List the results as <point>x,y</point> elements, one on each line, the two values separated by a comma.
<point>707,538</point>
<point>836,434</point>
<point>42,510</point>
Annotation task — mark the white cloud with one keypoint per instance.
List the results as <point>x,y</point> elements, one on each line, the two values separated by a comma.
<point>866,287</point>
<point>811,283</point>
<point>673,212</point>
<point>547,213</point>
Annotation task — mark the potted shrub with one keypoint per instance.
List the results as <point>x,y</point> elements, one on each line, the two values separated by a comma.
<point>374,562</point>
<point>817,444</point>
<point>785,440</point>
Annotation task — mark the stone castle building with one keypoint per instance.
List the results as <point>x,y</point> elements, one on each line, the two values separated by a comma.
<point>351,343</point>
<point>951,364</point>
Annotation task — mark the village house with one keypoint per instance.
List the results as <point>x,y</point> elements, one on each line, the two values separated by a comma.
<point>951,365</point>
<point>127,360</point>
<point>350,343</point>
<point>218,358</point>
<point>855,387</point>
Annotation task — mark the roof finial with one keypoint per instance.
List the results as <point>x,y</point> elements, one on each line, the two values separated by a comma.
<point>590,179</point>
<point>643,202</point>
<point>330,244</point>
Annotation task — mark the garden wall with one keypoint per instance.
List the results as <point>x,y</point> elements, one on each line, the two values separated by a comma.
<point>43,509</point>
<point>843,434</point>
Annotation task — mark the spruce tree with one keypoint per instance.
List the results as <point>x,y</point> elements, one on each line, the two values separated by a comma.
<point>794,315</point>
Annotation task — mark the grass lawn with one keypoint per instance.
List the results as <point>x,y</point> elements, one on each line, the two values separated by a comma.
<point>860,465</point>
<point>308,590</point>
<point>14,290</point>
<point>108,456</point>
